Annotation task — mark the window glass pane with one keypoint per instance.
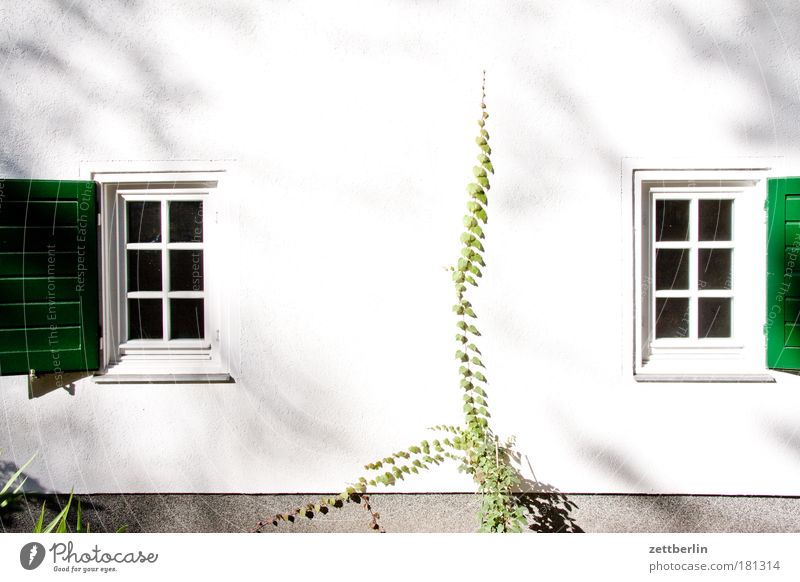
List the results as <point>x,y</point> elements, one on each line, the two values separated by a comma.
<point>672,269</point>
<point>716,219</point>
<point>144,270</point>
<point>672,220</point>
<point>144,222</point>
<point>672,317</point>
<point>714,268</point>
<point>144,319</point>
<point>186,221</point>
<point>714,317</point>
<point>186,319</point>
<point>186,270</point>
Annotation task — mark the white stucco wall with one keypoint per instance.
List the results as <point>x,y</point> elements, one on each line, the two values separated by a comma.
<point>352,127</point>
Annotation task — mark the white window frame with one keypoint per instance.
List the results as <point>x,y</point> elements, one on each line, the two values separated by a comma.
<point>209,360</point>
<point>741,358</point>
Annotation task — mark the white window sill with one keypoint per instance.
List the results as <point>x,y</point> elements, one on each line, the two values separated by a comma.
<point>707,378</point>
<point>216,378</point>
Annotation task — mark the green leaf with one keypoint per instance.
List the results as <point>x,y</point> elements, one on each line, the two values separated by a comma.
<point>485,115</point>
<point>478,172</point>
<point>461,356</point>
<point>467,238</point>
<point>461,338</point>
<point>472,282</point>
<point>481,215</point>
<point>481,142</point>
<point>463,264</point>
<point>476,257</point>
<point>473,189</point>
<point>460,289</point>
<point>488,165</point>
<point>474,348</point>
<point>485,133</point>
<point>464,371</point>
<point>484,181</point>
<point>469,221</point>
<point>414,449</point>
<point>480,377</point>
<point>483,200</point>
<point>476,360</point>
<point>461,325</point>
<point>477,231</point>
<point>465,383</point>
<point>474,207</point>
<point>458,309</point>
<point>487,149</point>
<point>481,122</point>
<point>458,276</point>
<point>473,330</point>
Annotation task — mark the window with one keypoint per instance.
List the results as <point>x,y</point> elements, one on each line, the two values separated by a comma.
<point>165,306</point>
<point>699,245</point>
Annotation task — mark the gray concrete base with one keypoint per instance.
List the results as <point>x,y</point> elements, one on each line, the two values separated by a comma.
<point>454,512</point>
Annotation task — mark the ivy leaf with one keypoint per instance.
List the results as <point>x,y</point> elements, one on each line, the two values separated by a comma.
<point>477,231</point>
<point>483,181</point>
<point>464,371</point>
<point>479,376</point>
<point>475,271</point>
<point>477,361</point>
<point>474,207</point>
<point>414,449</point>
<point>459,309</point>
<point>485,133</point>
<point>486,149</point>
<point>474,188</point>
<point>461,338</point>
<point>474,242</point>
<point>488,165</point>
<point>469,221</point>
<point>458,276</point>
<point>481,215</point>
<point>463,264</point>
<point>474,348</point>
<point>476,257</point>
<point>471,281</point>
<point>481,142</point>
<point>461,325</point>
<point>478,172</point>
<point>483,200</point>
<point>481,122</point>
<point>461,356</point>
<point>467,238</point>
<point>460,289</point>
<point>485,115</point>
<point>469,311</point>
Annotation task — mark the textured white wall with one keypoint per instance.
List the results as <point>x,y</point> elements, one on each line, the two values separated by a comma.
<point>352,124</point>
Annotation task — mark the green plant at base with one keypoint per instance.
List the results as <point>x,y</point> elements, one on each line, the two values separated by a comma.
<point>8,498</point>
<point>59,522</point>
<point>474,445</point>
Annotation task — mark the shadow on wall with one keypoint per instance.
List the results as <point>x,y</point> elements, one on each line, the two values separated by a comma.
<point>108,90</point>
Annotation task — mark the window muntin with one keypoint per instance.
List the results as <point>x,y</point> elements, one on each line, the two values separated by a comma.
<point>164,252</point>
<point>692,251</point>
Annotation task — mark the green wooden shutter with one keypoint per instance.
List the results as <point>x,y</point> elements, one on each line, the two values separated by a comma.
<point>48,276</point>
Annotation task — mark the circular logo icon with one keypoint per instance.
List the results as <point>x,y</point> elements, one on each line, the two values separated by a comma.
<point>31,555</point>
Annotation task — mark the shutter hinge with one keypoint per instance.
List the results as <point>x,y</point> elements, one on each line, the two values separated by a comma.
<point>98,220</point>
<point>764,329</point>
<point>217,335</point>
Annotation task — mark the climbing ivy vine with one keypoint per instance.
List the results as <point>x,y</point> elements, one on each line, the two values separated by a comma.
<point>474,445</point>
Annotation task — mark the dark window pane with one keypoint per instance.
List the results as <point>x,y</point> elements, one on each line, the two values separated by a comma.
<point>144,270</point>
<point>713,317</point>
<point>716,219</point>
<point>186,270</point>
<point>144,222</point>
<point>672,317</point>
<point>672,220</point>
<point>672,269</point>
<point>186,221</point>
<point>186,319</point>
<point>714,268</point>
<point>144,319</point>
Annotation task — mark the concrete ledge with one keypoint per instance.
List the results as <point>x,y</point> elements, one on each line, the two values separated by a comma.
<point>433,512</point>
